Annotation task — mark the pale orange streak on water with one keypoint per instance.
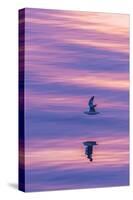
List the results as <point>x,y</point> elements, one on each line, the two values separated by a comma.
<point>107,45</point>
<point>107,82</point>
<point>44,102</point>
<point>103,22</point>
<point>116,25</point>
<point>81,78</point>
<point>71,155</point>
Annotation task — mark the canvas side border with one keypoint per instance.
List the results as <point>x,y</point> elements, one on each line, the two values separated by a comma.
<point>21,176</point>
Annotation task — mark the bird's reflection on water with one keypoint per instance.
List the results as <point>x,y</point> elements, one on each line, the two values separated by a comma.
<point>89,149</point>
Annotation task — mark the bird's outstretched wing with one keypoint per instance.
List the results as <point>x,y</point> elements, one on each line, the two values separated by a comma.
<point>90,102</point>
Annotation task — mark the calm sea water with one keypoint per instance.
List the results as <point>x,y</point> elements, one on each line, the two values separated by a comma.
<point>71,56</point>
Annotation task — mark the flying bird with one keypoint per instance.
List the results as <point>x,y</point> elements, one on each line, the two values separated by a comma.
<point>91,107</point>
